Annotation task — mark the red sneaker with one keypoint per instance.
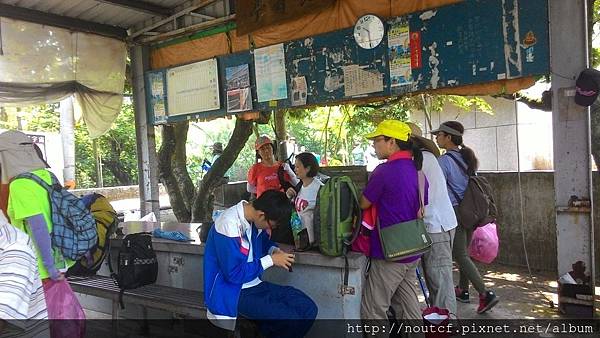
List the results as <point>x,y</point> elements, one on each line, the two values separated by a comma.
<point>487,301</point>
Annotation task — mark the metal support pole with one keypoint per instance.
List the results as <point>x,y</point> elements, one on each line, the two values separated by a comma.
<point>146,145</point>
<point>98,158</point>
<point>571,128</point>
<point>67,133</point>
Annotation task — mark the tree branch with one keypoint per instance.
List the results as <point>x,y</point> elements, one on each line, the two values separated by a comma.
<point>167,177</point>
<point>203,202</point>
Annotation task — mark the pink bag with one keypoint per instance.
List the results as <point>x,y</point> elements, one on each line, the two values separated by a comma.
<point>66,315</point>
<point>484,243</point>
<point>362,243</point>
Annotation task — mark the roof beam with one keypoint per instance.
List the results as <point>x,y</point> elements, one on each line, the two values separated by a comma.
<point>185,11</point>
<point>140,6</point>
<point>30,15</point>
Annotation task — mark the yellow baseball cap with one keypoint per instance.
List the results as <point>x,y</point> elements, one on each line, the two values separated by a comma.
<point>391,128</point>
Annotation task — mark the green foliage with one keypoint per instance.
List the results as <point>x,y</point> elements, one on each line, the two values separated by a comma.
<point>345,125</point>
<point>44,118</point>
<point>201,137</point>
<point>117,149</point>
<point>593,31</point>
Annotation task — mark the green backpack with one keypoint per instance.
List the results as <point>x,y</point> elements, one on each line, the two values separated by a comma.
<point>336,215</point>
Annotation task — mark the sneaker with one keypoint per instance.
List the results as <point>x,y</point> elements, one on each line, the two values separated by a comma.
<point>461,295</point>
<point>487,301</point>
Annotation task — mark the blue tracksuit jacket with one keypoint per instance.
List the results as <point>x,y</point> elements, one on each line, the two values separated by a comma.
<point>226,266</point>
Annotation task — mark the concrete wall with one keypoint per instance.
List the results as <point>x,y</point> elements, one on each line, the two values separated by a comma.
<point>539,219</point>
<point>539,216</point>
<point>493,135</point>
<point>116,193</point>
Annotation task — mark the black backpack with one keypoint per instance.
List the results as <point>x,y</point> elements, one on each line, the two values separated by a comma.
<point>137,264</point>
<point>477,207</point>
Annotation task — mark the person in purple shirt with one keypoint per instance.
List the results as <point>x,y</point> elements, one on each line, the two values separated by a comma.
<point>393,189</point>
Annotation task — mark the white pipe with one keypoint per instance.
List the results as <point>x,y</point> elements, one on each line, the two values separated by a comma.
<point>67,133</point>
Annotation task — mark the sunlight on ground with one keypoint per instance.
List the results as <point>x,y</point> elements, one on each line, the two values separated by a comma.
<point>513,277</point>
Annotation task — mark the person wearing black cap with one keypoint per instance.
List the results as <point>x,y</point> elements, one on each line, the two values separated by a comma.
<point>456,163</point>
<point>587,86</point>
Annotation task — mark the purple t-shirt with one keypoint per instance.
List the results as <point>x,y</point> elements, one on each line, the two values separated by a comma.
<point>394,190</point>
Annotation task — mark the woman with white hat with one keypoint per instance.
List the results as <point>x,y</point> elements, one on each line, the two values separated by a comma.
<point>456,163</point>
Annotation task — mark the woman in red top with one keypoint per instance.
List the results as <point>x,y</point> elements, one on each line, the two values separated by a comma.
<point>262,176</point>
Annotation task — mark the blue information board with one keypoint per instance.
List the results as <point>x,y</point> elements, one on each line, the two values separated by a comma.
<point>471,42</point>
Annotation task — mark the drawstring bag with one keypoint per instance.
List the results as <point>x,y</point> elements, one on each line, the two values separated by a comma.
<point>484,243</point>
<point>66,315</point>
<point>436,320</point>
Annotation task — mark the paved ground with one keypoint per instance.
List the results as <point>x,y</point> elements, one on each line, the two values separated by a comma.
<point>519,297</point>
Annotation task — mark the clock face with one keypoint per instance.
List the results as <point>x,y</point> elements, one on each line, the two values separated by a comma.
<point>369,31</point>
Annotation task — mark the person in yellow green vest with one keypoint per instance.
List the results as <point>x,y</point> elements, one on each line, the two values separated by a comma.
<point>28,203</point>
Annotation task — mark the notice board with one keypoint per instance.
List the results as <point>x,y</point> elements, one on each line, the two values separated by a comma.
<point>470,42</point>
<point>193,88</point>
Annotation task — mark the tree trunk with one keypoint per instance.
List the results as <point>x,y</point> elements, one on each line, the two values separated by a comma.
<point>119,172</point>
<point>166,159</point>
<point>179,163</point>
<point>114,164</point>
<point>203,202</point>
<point>280,134</point>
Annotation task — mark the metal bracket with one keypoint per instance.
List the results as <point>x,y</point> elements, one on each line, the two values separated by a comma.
<point>178,260</point>
<point>347,290</point>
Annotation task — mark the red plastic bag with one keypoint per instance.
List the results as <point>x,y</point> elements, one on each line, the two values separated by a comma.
<point>66,315</point>
<point>484,243</point>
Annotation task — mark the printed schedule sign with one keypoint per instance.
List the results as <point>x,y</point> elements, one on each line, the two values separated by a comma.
<point>193,88</point>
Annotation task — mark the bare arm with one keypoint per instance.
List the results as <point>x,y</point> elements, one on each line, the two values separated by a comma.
<point>364,202</point>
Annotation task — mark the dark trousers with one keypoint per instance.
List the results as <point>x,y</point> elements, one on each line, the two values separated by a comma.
<point>280,311</point>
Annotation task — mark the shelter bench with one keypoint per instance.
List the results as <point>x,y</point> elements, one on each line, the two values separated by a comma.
<point>183,302</point>
<point>187,303</point>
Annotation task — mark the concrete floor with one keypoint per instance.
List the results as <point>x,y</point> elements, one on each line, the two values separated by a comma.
<point>519,297</point>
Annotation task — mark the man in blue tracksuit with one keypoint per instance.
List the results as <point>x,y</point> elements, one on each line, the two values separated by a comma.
<point>238,250</point>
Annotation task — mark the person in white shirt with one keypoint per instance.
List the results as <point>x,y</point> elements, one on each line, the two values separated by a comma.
<point>305,199</point>
<point>22,303</point>
<point>441,223</point>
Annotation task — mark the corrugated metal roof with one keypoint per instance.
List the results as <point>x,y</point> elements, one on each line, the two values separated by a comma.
<point>94,11</point>
<point>137,20</point>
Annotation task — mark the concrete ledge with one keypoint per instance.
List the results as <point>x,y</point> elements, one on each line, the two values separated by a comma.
<point>116,193</point>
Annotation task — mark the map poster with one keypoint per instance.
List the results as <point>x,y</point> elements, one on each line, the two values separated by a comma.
<point>399,52</point>
<point>269,66</point>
